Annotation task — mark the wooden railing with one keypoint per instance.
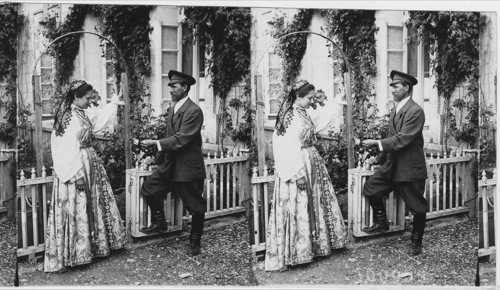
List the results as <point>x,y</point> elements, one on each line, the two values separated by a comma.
<point>450,185</point>
<point>449,190</point>
<point>33,213</point>
<point>224,189</point>
<point>360,213</point>
<point>487,215</point>
<point>262,189</point>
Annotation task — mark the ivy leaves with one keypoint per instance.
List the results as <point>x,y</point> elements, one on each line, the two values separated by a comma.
<point>224,32</point>
<point>453,37</point>
<point>292,48</point>
<point>11,25</point>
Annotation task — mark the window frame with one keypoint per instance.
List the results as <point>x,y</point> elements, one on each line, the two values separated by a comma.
<point>403,51</point>
<point>159,101</point>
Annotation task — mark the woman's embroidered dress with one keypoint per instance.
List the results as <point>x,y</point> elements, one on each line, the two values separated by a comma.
<point>302,223</point>
<point>81,224</point>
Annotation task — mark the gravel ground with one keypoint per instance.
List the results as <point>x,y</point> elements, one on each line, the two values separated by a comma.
<point>449,258</point>
<point>8,235</point>
<point>225,260</point>
<point>487,272</point>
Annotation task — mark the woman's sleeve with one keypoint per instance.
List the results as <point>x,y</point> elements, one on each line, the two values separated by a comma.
<point>287,151</point>
<point>102,118</point>
<point>325,117</point>
<point>66,156</point>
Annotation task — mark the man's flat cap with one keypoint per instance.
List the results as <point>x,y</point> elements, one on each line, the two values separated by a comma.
<point>398,77</point>
<point>177,76</point>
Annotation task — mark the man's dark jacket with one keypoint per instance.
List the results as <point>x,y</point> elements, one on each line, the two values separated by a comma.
<point>181,157</point>
<point>403,148</point>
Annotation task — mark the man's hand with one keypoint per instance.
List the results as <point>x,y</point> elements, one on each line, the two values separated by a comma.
<point>147,143</point>
<point>369,143</point>
<point>301,183</point>
<point>80,184</point>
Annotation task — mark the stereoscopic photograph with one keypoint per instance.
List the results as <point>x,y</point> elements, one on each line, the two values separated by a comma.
<point>197,144</point>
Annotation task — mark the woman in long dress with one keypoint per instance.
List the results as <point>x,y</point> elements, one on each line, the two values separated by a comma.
<point>84,221</point>
<point>305,219</point>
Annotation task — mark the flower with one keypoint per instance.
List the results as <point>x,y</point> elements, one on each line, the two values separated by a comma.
<point>319,98</point>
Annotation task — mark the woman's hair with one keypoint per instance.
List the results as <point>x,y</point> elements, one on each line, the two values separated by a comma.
<point>77,89</point>
<point>299,90</point>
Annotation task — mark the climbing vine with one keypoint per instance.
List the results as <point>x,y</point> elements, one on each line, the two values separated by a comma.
<point>11,25</point>
<point>224,33</point>
<point>354,31</point>
<point>453,39</point>
<point>128,27</point>
<point>291,49</point>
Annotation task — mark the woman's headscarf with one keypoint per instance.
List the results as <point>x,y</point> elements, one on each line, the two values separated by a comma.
<point>285,114</point>
<point>62,118</point>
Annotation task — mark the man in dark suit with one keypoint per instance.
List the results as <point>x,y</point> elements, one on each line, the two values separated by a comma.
<point>181,167</point>
<point>404,170</point>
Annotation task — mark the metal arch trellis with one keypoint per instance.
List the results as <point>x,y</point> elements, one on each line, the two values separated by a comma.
<point>38,104</point>
<point>347,86</point>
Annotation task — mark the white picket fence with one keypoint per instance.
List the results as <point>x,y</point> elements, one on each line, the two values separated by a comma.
<point>225,186</point>
<point>33,214</point>
<point>487,199</point>
<point>449,185</point>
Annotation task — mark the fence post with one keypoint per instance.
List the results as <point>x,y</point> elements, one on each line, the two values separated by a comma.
<point>472,184</point>
<point>246,196</point>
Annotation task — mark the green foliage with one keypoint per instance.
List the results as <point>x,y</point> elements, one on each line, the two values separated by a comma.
<point>355,31</point>
<point>291,49</point>
<point>243,131</point>
<point>128,27</point>
<point>225,34</point>
<point>487,140</point>
<point>334,152</point>
<point>66,49</point>
<point>453,37</point>
<point>11,26</point>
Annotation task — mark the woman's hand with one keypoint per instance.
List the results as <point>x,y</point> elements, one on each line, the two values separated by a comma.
<point>118,98</point>
<point>80,184</point>
<point>301,183</point>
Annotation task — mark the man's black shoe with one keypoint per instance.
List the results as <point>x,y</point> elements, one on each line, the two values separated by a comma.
<point>415,246</point>
<point>376,228</point>
<point>194,247</point>
<point>381,224</point>
<point>154,228</point>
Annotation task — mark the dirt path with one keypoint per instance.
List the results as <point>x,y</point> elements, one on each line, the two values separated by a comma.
<point>487,273</point>
<point>8,245</point>
<point>225,260</point>
<point>449,258</point>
